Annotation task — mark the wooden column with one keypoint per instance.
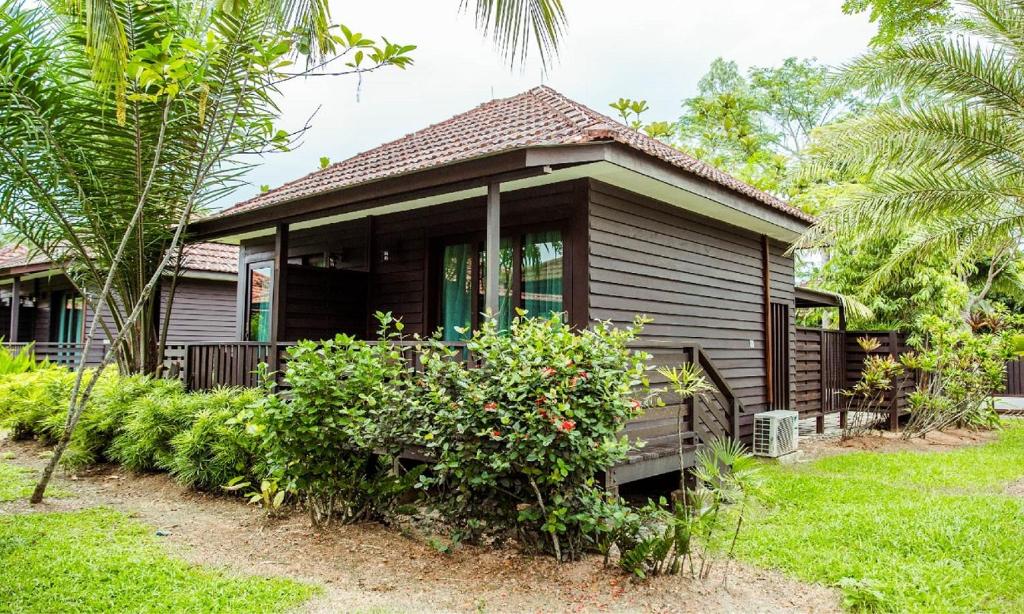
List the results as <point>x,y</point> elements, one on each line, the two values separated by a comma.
<point>766,275</point>
<point>278,304</point>
<point>15,300</point>
<point>493,248</point>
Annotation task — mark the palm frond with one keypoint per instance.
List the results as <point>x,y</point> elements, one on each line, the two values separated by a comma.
<point>515,25</point>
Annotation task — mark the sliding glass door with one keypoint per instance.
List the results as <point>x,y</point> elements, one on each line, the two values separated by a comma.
<point>530,277</point>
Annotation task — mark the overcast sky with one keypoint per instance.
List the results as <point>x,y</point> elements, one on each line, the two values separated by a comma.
<point>647,49</point>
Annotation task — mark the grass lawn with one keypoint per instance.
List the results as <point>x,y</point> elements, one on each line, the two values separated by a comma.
<point>99,560</point>
<point>901,531</point>
<point>15,482</point>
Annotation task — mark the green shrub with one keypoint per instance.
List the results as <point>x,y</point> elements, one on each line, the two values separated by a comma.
<point>345,409</point>
<point>22,361</point>
<point>218,447</point>
<point>144,440</point>
<point>519,438</point>
<point>108,408</point>
<point>33,404</point>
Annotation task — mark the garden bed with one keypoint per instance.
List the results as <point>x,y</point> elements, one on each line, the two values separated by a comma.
<point>368,567</point>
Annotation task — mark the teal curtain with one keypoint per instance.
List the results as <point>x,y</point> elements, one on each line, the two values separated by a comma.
<point>260,291</point>
<point>506,285</point>
<point>69,318</point>
<point>542,273</point>
<point>457,291</point>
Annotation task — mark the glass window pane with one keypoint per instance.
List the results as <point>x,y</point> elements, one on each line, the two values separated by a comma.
<point>505,283</point>
<point>457,291</point>
<point>542,273</point>
<point>260,290</point>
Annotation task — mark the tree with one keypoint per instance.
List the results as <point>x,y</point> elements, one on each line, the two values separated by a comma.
<point>103,178</point>
<point>941,168</point>
<point>898,18</point>
<point>755,126</point>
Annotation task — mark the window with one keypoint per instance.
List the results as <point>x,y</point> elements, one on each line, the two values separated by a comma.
<point>259,292</point>
<point>68,308</point>
<point>530,276</point>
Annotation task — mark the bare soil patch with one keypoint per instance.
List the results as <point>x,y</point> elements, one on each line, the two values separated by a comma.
<point>374,568</point>
<point>1015,489</point>
<point>952,439</point>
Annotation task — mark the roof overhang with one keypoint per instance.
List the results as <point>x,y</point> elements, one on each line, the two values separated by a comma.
<point>610,162</point>
<point>807,298</point>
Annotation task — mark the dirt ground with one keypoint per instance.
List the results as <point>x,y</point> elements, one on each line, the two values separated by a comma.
<point>377,569</point>
<point>818,446</point>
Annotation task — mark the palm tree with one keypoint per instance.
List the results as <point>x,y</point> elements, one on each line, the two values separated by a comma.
<point>514,25</point>
<point>942,166</point>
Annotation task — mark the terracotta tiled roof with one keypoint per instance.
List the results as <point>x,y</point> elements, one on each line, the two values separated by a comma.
<point>202,257</point>
<point>211,257</point>
<point>537,117</point>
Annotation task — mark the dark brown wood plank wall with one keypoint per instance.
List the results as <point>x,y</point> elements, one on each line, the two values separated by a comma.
<point>700,279</point>
<point>203,310</point>
<point>401,284</point>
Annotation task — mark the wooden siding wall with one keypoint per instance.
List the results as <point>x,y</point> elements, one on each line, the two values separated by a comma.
<point>700,279</point>
<point>890,342</point>
<point>203,310</point>
<point>323,302</point>
<point>401,285</point>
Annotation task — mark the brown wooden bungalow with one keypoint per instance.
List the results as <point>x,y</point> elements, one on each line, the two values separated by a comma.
<point>39,305</point>
<point>540,202</point>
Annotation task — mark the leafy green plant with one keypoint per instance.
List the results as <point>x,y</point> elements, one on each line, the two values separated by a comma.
<point>867,402</point>
<point>959,372</point>
<point>518,437</point>
<point>217,445</point>
<point>686,382</point>
<point>22,361</point>
<point>270,496</point>
<point>333,439</point>
<point>144,440</point>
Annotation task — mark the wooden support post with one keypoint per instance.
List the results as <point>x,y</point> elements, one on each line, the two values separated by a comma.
<point>823,366</point>
<point>493,249</point>
<point>769,392</point>
<point>894,402</point>
<point>15,309</point>
<point>278,304</point>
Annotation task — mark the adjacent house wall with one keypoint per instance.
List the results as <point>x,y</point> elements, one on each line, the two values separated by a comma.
<point>700,279</point>
<point>203,310</point>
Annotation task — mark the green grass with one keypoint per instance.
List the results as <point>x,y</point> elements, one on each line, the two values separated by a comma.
<point>15,482</point>
<point>929,532</point>
<point>99,560</point>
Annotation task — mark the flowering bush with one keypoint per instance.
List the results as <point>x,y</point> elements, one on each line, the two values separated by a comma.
<point>519,438</point>
<point>331,442</point>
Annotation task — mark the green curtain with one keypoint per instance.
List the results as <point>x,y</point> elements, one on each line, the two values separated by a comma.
<point>457,291</point>
<point>542,273</point>
<point>260,290</point>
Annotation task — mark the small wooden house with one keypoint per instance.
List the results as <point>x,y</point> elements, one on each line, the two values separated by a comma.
<point>534,201</point>
<point>39,305</point>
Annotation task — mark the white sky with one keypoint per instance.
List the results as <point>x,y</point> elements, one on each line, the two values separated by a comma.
<point>647,49</point>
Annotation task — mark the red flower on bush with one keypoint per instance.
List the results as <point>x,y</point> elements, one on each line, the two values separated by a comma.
<point>490,406</point>
<point>635,404</point>
<point>542,400</point>
<point>496,434</point>
<point>548,372</point>
<point>567,426</point>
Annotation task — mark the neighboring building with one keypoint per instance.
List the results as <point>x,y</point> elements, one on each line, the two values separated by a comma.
<point>51,314</point>
<point>594,219</point>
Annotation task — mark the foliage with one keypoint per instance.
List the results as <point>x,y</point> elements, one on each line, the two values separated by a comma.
<point>108,169</point>
<point>270,496</point>
<point>867,401</point>
<point>332,440</point>
<point>755,126</point>
<point>899,18</point>
<point>926,288</point>
<point>519,438</point>
<point>959,372</point>
<point>938,169</point>
<point>99,560</point>
<point>940,518</point>
<point>685,382</point>
<point>143,442</point>
<point>217,446</point>
<point>27,399</point>
<point>22,361</point>
<point>653,540</point>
